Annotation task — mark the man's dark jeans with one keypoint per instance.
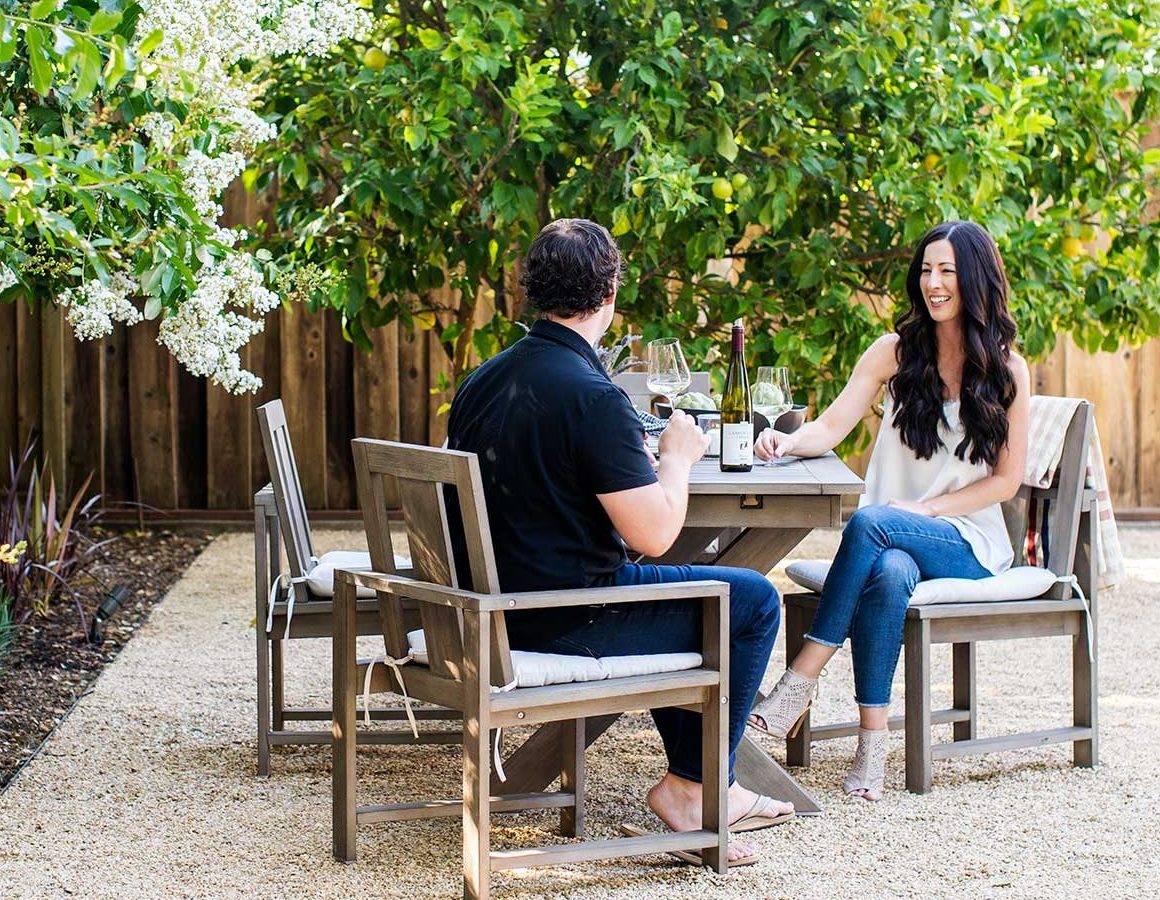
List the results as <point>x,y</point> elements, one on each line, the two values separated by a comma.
<point>675,627</point>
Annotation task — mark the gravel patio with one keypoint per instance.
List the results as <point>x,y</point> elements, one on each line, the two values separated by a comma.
<point>148,787</point>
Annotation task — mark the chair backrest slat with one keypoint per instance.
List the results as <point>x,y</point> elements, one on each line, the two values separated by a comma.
<point>295,525</point>
<point>424,476</point>
<point>1061,530</point>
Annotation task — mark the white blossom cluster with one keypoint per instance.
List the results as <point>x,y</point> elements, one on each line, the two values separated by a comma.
<point>92,307</point>
<point>207,176</point>
<point>203,39</point>
<point>196,60</point>
<point>7,278</point>
<point>160,128</point>
<point>206,332</point>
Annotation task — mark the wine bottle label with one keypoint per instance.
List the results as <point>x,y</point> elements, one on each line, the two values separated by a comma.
<point>737,444</point>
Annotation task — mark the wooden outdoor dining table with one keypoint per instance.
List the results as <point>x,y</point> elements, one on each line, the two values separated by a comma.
<point>756,518</point>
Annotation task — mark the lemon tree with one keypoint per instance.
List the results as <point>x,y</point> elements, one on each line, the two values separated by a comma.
<point>808,143</point>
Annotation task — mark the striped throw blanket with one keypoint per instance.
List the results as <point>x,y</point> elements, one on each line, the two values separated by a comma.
<point>1050,417</point>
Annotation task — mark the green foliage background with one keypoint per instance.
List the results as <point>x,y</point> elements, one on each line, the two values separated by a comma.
<point>845,128</point>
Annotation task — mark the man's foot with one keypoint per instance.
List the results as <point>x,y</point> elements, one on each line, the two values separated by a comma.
<point>677,803</point>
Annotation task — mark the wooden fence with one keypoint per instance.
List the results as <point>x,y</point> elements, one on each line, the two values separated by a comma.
<point>123,410</point>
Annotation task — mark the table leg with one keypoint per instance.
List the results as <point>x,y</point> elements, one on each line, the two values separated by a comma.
<point>758,771</point>
<point>761,549</point>
<point>536,763</point>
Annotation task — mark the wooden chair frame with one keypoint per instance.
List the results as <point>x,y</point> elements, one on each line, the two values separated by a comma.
<point>470,669</point>
<point>1071,536</point>
<point>280,520</point>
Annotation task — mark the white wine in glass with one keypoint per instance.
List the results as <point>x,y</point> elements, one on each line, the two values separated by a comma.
<point>770,392</point>
<point>668,373</point>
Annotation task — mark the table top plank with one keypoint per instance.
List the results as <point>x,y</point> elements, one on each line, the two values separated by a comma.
<point>822,475</point>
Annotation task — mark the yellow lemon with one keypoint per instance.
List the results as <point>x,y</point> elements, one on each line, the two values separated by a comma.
<point>722,189</point>
<point>424,321</point>
<point>739,180</point>
<point>1072,247</point>
<point>721,23</point>
<point>930,161</point>
<point>375,59</point>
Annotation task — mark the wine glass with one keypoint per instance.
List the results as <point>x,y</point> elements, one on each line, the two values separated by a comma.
<point>770,393</point>
<point>668,373</point>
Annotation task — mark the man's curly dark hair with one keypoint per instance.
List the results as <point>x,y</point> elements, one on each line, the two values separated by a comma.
<point>571,267</point>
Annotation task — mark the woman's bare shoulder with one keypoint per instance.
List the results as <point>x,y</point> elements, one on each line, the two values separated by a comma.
<point>1019,368</point>
<point>881,357</point>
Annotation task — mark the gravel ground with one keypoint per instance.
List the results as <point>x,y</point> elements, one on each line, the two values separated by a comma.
<point>148,788</point>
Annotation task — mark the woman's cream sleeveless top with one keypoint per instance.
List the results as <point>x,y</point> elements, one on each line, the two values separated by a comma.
<point>896,472</point>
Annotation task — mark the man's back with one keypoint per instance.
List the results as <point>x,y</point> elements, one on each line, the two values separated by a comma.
<point>551,432</point>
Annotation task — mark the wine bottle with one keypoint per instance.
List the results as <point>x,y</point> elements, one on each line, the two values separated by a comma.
<point>737,410</point>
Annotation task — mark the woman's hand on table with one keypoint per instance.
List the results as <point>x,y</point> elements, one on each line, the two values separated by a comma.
<point>772,444</point>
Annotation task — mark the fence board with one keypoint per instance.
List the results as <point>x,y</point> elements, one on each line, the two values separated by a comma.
<point>1107,379</point>
<point>340,489</point>
<point>54,436</point>
<point>413,387</point>
<point>303,368</point>
<point>82,403</point>
<point>376,392</point>
<point>265,361</point>
<point>1148,449</point>
<point>114,462</point>
<point>152,435</point>
<point>28,385</point>
<point>10,441</point>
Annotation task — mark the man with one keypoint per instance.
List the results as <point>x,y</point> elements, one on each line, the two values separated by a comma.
<point>566,476</point>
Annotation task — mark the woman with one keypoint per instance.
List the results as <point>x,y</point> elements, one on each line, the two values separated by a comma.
<point>951,448</point>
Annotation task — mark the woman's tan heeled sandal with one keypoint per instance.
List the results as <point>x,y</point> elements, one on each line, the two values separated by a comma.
<point>868,773</point>
<point>781,713</point>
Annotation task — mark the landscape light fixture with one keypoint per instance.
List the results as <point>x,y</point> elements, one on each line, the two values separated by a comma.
<point>110,603</point>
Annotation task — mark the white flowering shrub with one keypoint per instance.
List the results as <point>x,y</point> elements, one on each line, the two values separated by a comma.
<point>120,127</point>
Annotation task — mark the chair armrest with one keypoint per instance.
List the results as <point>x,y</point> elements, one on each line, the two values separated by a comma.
<point>428,592</point>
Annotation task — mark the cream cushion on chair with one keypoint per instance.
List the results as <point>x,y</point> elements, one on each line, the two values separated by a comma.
<point>320,579</point>
<point>541,669</point>
<point>1017,583</point>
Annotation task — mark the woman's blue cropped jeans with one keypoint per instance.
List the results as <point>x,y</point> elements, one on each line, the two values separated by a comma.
<point>884,553</point>
<point>675,627</point>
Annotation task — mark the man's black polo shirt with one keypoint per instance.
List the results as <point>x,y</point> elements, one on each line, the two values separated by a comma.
<point>551,432</point>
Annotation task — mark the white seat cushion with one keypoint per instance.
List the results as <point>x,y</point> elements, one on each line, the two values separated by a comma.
<point>1017,583</point>
<point>320,579</point>
<point>540,669</point>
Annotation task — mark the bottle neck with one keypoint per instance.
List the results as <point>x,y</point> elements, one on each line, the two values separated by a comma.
<point>738,340</point>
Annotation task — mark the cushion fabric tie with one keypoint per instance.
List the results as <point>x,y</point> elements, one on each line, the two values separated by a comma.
<point>498,756</point>
<point>395,665</point>
<point>1087,611</point>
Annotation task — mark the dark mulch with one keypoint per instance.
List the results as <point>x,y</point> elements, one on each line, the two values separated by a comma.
<point>52,663</point>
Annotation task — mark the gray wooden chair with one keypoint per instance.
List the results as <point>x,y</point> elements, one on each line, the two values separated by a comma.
<point>461,660</point>
<point>1069,542</point>
<point>298,603</point>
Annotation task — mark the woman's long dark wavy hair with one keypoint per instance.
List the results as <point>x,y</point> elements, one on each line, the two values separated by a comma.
<point>988,388</point>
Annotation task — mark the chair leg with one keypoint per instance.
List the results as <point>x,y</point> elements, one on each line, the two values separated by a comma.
<point>278,684</point>
<point>918,755</point>
<point>263,701</point>
<point>797,748</point>
<point>715,778</point>
<point>1084,668</point>
<point>262,578</point>
<point>572,776</point>
<point>476,758</point>
<point>344,744</point>
<point>965,697</point>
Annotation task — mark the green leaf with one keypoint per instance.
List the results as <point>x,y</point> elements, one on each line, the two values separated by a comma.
<point>7,39</point>
<point>88,67</point>
<point>430,38</point>
<point>38,60</point>
<point>152,307</point>
<point>42,9</point>
<point>104,21</point>
<point>726,145</point>
<point>152,42</point>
